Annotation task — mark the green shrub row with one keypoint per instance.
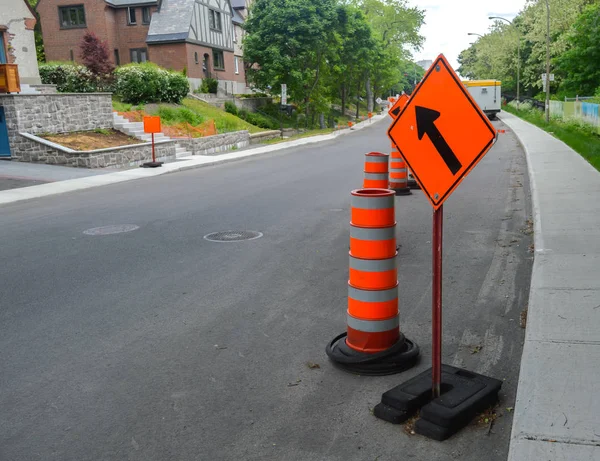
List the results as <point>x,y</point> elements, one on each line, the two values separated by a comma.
<point>133,83</point>
<point>251,117</point>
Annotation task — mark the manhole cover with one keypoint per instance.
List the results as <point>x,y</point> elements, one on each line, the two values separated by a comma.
<point>233,236</point>
<point>108,230</point>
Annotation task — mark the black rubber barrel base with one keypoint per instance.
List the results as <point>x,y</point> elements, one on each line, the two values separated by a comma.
<point>412,184</point>
<point>464,394</point>
<point>151,164</point>
<point>403,191</point>
<point>398,358</point>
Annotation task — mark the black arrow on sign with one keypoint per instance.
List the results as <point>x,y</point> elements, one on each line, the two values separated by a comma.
<point>426,126</point>
<point>396,111</point>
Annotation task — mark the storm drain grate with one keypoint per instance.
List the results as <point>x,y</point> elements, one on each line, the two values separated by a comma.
<point>233,236</point>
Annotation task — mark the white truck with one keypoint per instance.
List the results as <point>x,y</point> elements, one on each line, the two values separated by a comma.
<point>487,94</point>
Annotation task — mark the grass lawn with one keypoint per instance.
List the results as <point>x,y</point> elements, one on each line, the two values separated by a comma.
<point>191,111</point>
<point>225,121</point>
<point>580,138</point>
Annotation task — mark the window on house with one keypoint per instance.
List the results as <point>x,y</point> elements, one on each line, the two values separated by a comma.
<point>71,16</point>
<point>237,66</point>
<point>138,54</point>
<point>214,20</point>
<point>117,58</point>
<point>196,57</point>
<point>71,55</point>
<point>2,49</point>
<point>131,16</point>
<point>218,61</point>
<point>146,15</point>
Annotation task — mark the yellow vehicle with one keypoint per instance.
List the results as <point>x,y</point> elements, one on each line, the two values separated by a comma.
<point>487,94</point>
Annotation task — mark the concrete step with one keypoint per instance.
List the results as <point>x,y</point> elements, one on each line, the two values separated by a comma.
<point>26,89</point>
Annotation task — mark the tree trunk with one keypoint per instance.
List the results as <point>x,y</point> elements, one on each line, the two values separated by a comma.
<point>358,102</point>
<point>322,121</point>
<point>343,99</point>
<point>369,95</point>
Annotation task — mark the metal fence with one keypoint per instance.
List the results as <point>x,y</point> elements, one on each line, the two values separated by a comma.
<point>585,112</point>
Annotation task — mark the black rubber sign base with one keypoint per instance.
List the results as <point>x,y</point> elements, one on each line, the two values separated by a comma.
<point>464,394</point>
<point>151,164</point>
<point>403,191</point>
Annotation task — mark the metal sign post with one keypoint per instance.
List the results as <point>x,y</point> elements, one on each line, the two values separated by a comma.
<point>436,305</point>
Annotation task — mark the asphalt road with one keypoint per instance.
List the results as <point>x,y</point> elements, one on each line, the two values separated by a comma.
<point>157,344</point>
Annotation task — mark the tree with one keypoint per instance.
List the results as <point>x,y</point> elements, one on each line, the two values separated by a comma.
<point>95,56</point>
<point>580,63</point>
<point>289,41</point>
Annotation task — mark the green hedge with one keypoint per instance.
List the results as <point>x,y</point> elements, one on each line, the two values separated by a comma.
<point>144,83</point>
<point>133,83</point>
<point>71,78</point>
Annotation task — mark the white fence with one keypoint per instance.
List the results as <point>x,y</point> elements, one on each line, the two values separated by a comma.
<point>585,112</point>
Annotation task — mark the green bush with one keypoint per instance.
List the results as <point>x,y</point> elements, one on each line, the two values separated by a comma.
<point>144,83</point>
<point>231,108</point>
<point>70,78</point>
<point>209,85</point>
<point>170,115</point>
<point>261,121</point>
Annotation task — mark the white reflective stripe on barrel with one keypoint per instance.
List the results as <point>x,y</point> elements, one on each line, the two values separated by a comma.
<point>373,265</point>
<point>373,296</point>
<point>374,326</point>
<point>376,158</point>
<point>376,176</point>
<point>373,202</point>
<point>382,233</point>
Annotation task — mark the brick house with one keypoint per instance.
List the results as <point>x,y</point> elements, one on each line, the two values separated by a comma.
<point>123,24</point>
<point>17,42</point>
<point>195,35</point>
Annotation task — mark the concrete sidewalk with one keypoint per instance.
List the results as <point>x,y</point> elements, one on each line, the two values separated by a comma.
<point>102,178</point>
<point>557,408</point>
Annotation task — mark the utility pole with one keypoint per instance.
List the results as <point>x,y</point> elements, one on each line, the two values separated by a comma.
<point>547,61</point>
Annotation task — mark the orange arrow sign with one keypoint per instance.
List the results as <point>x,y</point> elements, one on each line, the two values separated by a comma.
<point>441,132</point>
<point>398,105</point>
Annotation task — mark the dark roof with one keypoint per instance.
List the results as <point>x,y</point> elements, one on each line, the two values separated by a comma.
<point>238,3</point>
<point>124,3</point>
<point>237,17</point>
<point>162,38</point>
<point>174,17</point>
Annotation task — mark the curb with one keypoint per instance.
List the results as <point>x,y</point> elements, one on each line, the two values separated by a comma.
<point>186,163</point>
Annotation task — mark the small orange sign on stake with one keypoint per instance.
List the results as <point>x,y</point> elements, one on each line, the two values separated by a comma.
<point>398,106</point>
<point>441,132</point>
<point>152,124</point>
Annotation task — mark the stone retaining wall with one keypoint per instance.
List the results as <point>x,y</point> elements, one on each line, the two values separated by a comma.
<point>53,113</point>
<point>211,145</point>
<point>132,155</point>
<point>257,138</point>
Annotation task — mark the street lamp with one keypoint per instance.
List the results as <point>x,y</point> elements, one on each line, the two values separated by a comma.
<point>473,33</point>
<point>518,52</point>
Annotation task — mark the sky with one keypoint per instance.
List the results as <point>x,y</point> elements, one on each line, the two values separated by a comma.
<point>447,23</point>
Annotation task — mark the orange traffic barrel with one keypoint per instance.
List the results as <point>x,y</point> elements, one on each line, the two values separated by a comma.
<point>373,274</point>
<point>376,180</point>
<point>372,208</point>
<point>376,162</point>
<point>398,174</point>
<point>372,343</point>
<point>373,243</point>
